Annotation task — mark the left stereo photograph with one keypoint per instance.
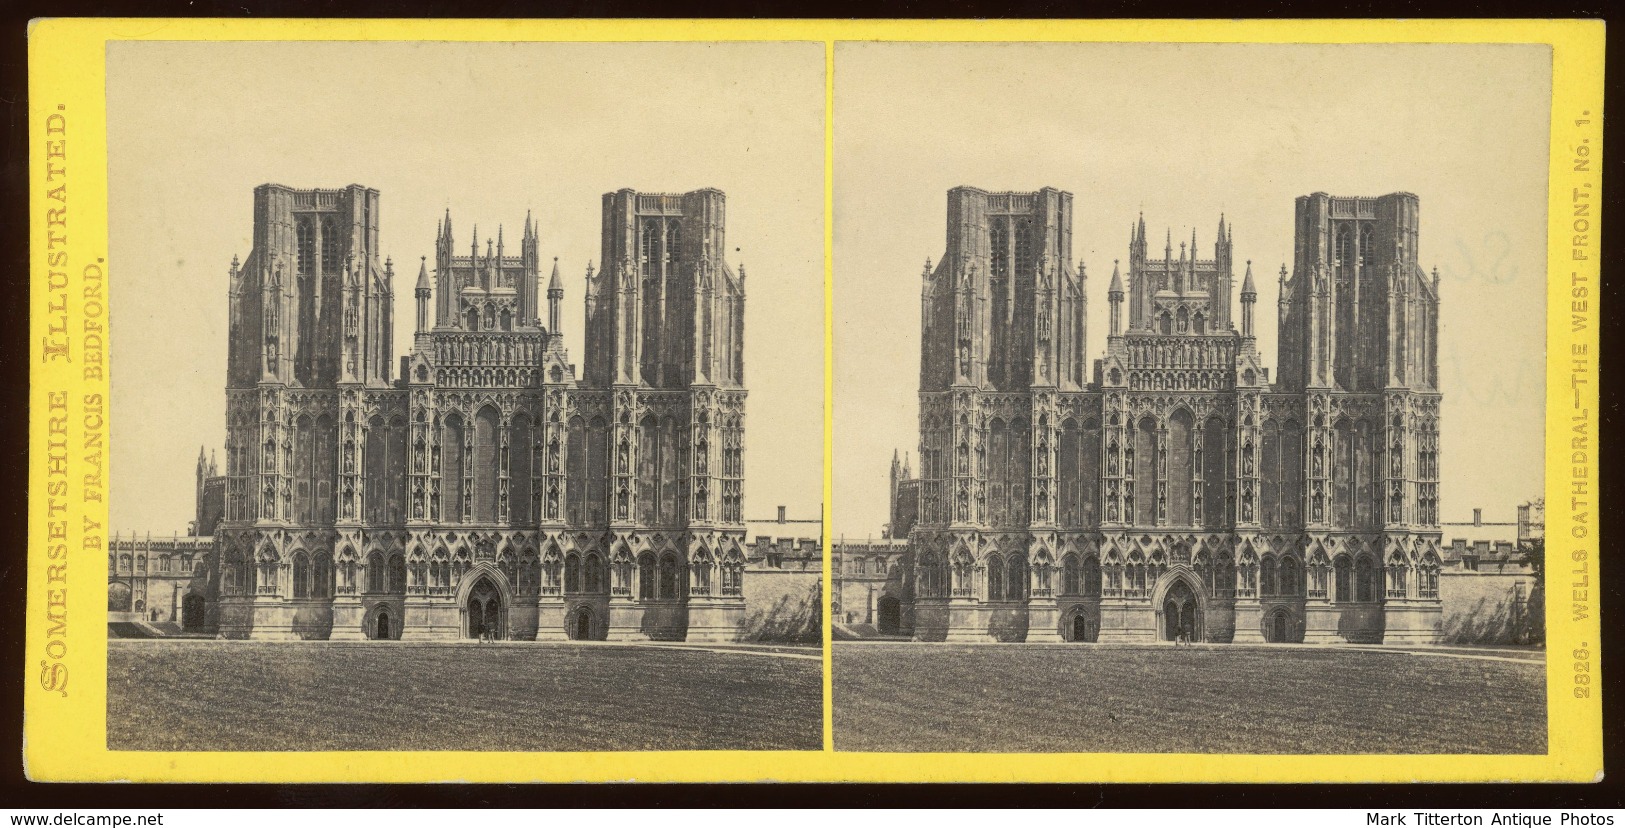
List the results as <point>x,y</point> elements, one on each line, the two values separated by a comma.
<point>428,418</point>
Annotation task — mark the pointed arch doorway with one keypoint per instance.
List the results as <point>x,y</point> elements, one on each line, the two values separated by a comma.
<point>484,610</point>
<point>1181,611</point>
<point>579,625</point>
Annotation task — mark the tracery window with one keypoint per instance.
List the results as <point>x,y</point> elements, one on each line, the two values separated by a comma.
<point>1288,576</point>
<point>650,247</point>
<point>1015,584</point>
<point>304,245</point>
<point>1365,578</point>
<point>646,576</point>
<point>668,575</point>
<point>301,575</point>
<point>572,573</point>
<point>1428,577</point>
<point>1396,576</point>
<point>377,578</point>
<point>595,574</point>
<point>1000,238</point>
<point>332,244</point>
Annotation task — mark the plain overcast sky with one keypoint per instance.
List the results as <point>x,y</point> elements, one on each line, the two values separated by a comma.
<point>489,130</point>
<point>1185,132</point>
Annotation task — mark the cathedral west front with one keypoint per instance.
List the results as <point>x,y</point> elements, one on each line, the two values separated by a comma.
<point>1173,489</point>
<point>481,485</point>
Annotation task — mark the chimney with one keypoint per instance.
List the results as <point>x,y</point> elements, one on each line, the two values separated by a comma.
<point>781,514</point>
<point>1478,517</point>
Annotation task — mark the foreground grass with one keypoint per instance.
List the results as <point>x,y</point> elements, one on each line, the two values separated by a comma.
<point>234,696</point>
<point>934,697</point>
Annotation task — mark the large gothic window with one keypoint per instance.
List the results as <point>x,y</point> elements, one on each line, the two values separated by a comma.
<point>646,576</point>
<point>1344,463</point>
<point>1368,469</point>
<point>674,240</point>
<point>999,234</point>
<point>1078,472</point>
<point>397,573</point>
<point>301,575</point>
<point>315,444</point>
<point>1215,475</point>
<point>304,244</point>
<point>332,245</point>
<point>594,574</point>
<point>384,490</point>
<point>1025,255</point>
<point>1179,469</point>
<point>652,294</point>
<point>572,573</point>
<point>1145,473</point>
<point>1291,473</point>
<point>1270,466</point>
<point>1342,580</point>
<point>1070,576</point>
<point>1290,576</point>
<point>1015,584</point>
<point>1365,580</point>
<point>451,468</point>
<point>657,471</point>
<point>999,472</point>
<point>588,471</point>
<point>377,575</point>
<point>521,450</point>
<point>669,579</point>
<point>596,472</point>
<point>487,435</point>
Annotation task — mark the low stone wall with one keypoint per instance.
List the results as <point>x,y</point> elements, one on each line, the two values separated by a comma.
<point>783,607</point>
<point>1481,608</point>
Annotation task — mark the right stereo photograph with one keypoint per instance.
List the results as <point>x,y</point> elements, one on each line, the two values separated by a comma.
<point>1189,398</point>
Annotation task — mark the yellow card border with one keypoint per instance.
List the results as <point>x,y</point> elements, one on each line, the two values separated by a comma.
<point>66,647</point>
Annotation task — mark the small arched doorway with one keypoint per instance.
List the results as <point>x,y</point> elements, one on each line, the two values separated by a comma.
<point>1277,628</point>
<point>381,624</point>
<point>888,614</point>
<point>192,612</point>
<point>1083,632</point>
<point>1180,613</point>
<point>580,626</point>
<point>484,610</point>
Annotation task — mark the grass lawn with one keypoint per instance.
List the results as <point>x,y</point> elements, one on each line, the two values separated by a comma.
<point>209,695</point>
<point>1159,699</point>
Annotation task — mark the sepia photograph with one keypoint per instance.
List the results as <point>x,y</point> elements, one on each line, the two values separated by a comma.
<point>1189,398</point>
<point>432,427</point>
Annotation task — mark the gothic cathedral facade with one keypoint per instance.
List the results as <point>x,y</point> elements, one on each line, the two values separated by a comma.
<point>1176,491</point>
<point>486,490</point>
